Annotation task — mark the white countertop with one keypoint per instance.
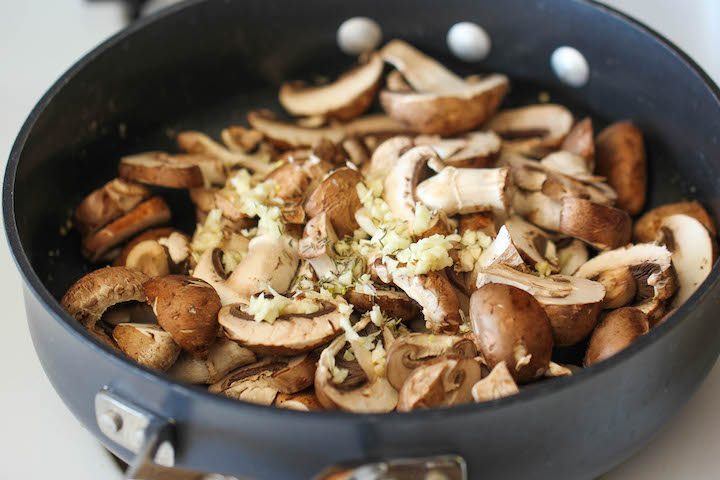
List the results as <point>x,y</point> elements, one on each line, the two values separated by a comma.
<point>39,39</point>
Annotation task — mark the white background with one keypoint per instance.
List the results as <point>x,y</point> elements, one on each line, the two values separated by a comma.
<point>39,39</point>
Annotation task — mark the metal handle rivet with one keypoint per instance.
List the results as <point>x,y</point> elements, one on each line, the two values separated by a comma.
<point>110,422</point>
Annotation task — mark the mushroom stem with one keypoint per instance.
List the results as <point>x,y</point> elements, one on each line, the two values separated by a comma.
<point>466,190</point>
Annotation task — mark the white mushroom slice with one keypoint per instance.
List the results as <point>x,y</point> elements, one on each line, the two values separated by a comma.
<point>466,190</point>
<point>240,139</point>
<point>199,143</point>
<point>601,226</point>
<point>191,369</point>
<point>261,381</point>
<point>356,151</point>
<point>568,164</point>
<point>147,344</point>
<point>210,269</point>
<point>387,153</point>
<point>112,200</point>
<point>498,384</point>
<point>538,208</point>
<point>392,303</point>
<point>223,356</point>
<point>304,401</point>
<point>347,97</point>
<point>571,256</point>
<point>443,381</point>
<point>437,297</point>
<point>534,130</point>
<point>501,251</point>
<point>289,135</point>
<point>693,253</point>
<point>270,261</point>
<point>650,264</point>
<point>647,227</point>
<point>572,304</point>
<point>533,244</point>
<point>316,246</point>
<point>402,180</point>
<point>411,351</point>
<point>290,333</point>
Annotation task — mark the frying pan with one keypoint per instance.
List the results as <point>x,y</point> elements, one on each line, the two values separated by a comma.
<point>201,65</point>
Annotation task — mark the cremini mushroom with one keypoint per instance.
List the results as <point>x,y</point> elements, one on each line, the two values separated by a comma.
<point>535,130</point>
<point>241,139</point>
<point>387,154</point>
<point>150,213</point>
<point>337,197</point>
<point>304,401</point>
<point>394,303</point>
<point>443,381</point>
<point>276,325</point>
<point>113,200</point>
<point>568,164</point>
<point>441,103</point>
<point>316,246</point>
<point>572,253</point>
<point>511,326</point>
<point>647,227</point>
<point>160,168</point>
<point>693,253</point>
<point>223,356</point>
<point>620,157</point>
<point>402,180</point>
<point>413,350</point>
<point>156,234</point>
<point>572,304</point>
<point>148,257</point>
<point>620,287</point>
<point>186,308</point>
<point>298,178</point>
<point>579,141</point>
<point>219,157</point>
<point>345,98</point>
<point>260,382</point>
<point>473,150</point>
<point>649,264</point>
<point>615,332</point>
<point>601,226</point>
<point>210,269</point>
<point>147,344</point>
<point>503,251</point>
<point>499,383</point>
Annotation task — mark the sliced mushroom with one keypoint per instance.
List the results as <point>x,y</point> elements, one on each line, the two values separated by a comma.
<point>572,304</point>
<point>501,251</point>
<point>498,384</point>
<point>480,222</point>
<point>651,266</point>
<point>437,297</point>
<point>559,370</point>
<point>572,253</point>
<point>347,97</point>
<point>223,356</point>
<point>387,154</point>
<point>474,150</point>
<point>579,141</point>
<point>466,190</point>
<point>412,351</point>
<point>533,244</point>
<point>442,102</point>
<point>569,164</point>
<point>304,401</point>
<point>510,325</point>
<point>620,157</point>
<point>289,135</point>
<point>647,227</point>
<point>601,226</point>
<point>337,197</point>
<point>241,139</point>
<point>200,144</point>
<point>210,269</point>
<point>260,382</point>
<point>159,168</point>
<point>538,208</point>
<point>290,333</point>
<point>113,200</point>
<point>620,287</point>
<point>147,344</point>
<point>151,234</point>
<point>615,332</point>
<point>535,130</point>
<point>316,246</point>
<point>443,381</point>
<point>403,178</point>
<point>148,257</point>
<point>395,304</point>
<point>299,177</point>
<point>148,214</point>
<point>693,253</point>
<point>186,308</point>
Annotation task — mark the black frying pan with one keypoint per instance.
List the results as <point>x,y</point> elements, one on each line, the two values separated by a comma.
<point>200,66</point>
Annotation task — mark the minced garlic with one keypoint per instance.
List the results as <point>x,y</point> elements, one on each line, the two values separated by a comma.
<point>425,255</point>
<point>268,309</point>
<point>543,268</point>
<point>423,219</point>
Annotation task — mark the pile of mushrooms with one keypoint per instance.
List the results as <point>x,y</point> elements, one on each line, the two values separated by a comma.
<point>435,254</point>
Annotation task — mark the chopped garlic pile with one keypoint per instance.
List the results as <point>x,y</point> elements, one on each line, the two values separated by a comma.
<point>268,309</point>
<point>258,201</point>
<point>210,234</point>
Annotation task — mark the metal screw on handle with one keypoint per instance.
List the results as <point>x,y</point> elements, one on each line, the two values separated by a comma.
<point>444,467</point>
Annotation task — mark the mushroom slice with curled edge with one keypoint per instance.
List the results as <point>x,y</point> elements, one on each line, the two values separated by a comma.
<point>148,257</point>
<point>345,98</point>
<point>260,382</point>
<point>186,308</point>
<point>337,197</point>
<point>148,214</point>
<point>147,344</point>
<point>442,102</point>
<point>88,298</point>
<point>210,269</point>
<point>440,382</point>
<point>402,180</point>
<point>579,141</point>
<point>601,226</point>
<point>572,304</point>
<point>414,350</point>
<point>616,331</point>
<point>647,227</point>
<point>223,356</point>
<point>466,190</point>
<point>498,384</point>
<point>151,234</point>
<point>620,157</point>
<point>395,304</point>
<point>201,145</point>
<point>287,135</point>
<point>241,139</point>
<point>113,200</point>
<point>352,384</point>
<point>387,154</point>
<point>316,246</point>
<point>533,244</point>
<point>572,253</point>
<point>304,401</point>
<point>649,264</point>
<point>693,253</point>
<point>283,326</point>
<point>535,130</point>
<point>474,150</point>
<point>160,168</point>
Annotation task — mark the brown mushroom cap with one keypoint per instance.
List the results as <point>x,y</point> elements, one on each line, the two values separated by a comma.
<point>412,351</point>
<point>615,332</point>
<point>299,177</point>
<point>599,225</point>
<point>345,98</point>
<point>620,157</point>
<point>111,201</point>
<point>534,130</point>
<point>159,168</point>
<point>338,198</point>
<point>647,227</point>
<point>580,142</point>
<point>511,326</point>
<point>498,384</point>
<point>440,382</point>
<point>187,308</point>
<point>437,297</point>
<point>147,344</point>
<point>392,303</point>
